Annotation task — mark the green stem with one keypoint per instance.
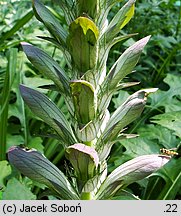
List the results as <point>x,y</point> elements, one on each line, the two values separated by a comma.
<point>86,196</point>
<point>59,156</point>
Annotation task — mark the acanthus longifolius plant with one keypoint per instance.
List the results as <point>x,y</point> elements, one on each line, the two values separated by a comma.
<point>87,87</point>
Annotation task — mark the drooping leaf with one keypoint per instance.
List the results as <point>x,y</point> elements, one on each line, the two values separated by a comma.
<point>49,112</point>
<point>120,20</point>
<point>131,171</point>
<point>17,191</point>
<point>47,66</point>
<point>50,21</point>
<point>82,39</point>
<point>38,168</point>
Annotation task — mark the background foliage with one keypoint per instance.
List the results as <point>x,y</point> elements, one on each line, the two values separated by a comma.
<point>158,127</point>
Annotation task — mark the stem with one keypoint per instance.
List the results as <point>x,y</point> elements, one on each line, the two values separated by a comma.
<point>59,156</point>
<point>86,196</point>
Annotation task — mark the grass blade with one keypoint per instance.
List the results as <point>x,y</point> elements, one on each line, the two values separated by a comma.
<point>21,22</point>
<point>9,77</point>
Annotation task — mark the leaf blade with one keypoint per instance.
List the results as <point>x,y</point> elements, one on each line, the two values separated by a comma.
<point>35,166</point>
<point>47,66</point>
<point>49,112</point>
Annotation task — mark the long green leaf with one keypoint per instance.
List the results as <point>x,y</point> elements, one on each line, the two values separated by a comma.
<point>9,78</point>
<point>49,112</point>
<point>35,166</point>
<point>47,66</point>
<point>19,24</point>
<point>49,20</point>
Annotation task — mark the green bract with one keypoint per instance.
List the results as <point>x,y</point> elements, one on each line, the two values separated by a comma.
<point>87,87</point>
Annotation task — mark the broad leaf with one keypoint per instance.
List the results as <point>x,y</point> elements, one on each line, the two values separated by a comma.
<point>35,166</point>
<point>159,134</point>
<point>17,191</point>
<point>120,20</point>
<point>170,120</point>
<point>168,99</point>
<point>130,172</point>
<point>49,20</point>
<point>5,172</point>
<point>47,66</point>
<point>49,112</point>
